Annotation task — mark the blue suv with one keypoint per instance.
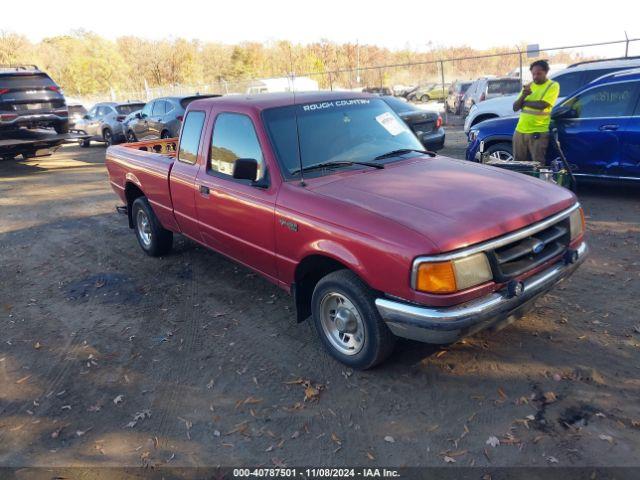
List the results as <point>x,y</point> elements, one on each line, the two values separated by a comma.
<point>598,128</point>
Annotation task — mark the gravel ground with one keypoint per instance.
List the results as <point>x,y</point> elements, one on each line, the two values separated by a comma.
<point>109,357</point>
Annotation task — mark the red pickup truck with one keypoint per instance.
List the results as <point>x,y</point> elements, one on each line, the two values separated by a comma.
<point>330,196</point>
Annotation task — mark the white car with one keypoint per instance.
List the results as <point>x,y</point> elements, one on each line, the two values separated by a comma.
<point>570,79</point>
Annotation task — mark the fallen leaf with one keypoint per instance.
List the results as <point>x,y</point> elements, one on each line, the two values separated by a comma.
<point>252,400</point>
<point>503,396</point>
<point>606,438</point>
<point>389,439</point>
<point>635,423</point>
<point>23,379</point>
<point>310,393</point>
<point>37,346</point>
<point>119,399</point>
<point>146,413</point>
<point>493,441</point>
<point>210,385</point>
<point>549,397</point>
<point>370,456</point>
<point>295,382</point>
<point>335,438</point>
<point>551,459</point>
<point>80,433</point>
<point>295,434</point>
<point>449,459</point>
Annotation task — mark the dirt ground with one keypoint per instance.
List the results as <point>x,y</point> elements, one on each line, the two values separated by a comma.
<point>110,357</point>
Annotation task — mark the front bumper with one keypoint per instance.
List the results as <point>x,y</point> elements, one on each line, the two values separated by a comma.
<point>441,325</point>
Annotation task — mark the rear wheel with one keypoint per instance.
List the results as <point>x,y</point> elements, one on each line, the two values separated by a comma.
<point>85,143</point>
<point>348,323</point>
<point>165,134</point>
<point>425,98</point>
<point>62,128</point>
<point>500,151</point>
<point>154,239</point>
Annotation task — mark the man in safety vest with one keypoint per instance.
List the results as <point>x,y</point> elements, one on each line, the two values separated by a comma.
<point>531,138</point>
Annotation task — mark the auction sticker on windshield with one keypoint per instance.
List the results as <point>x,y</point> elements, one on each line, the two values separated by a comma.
<point>390,123</point>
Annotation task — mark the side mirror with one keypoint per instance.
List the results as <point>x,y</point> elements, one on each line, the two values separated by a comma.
<point>245,169</point>
<point>563,111</point>
<point>138,115</point>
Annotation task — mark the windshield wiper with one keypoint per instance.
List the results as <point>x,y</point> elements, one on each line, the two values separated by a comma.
<point>402,151</point>
<point>336,164</point>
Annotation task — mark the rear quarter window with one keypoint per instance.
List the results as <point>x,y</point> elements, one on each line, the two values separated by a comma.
<point>190,137</point>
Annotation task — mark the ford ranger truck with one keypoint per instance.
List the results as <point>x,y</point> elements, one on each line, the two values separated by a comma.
<point>330,196</point>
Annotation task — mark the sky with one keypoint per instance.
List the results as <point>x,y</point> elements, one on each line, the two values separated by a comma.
<point>419,25</point>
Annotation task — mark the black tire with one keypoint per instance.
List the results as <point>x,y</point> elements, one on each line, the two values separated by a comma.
<point>160,240</point>
<point>425,98</point>
<point>165,134</point>
<point>62,128</point>
<point>131,137</point>
<point>85,143</point>
<point>27,155</point>
<point>377,339</point>
<point>499,148</point>
<point>107,137</point>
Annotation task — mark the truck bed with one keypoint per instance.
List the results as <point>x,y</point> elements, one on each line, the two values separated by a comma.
<point>146,165</point>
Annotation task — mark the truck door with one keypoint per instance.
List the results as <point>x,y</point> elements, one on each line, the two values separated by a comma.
<point>182,181</point>
<point>237,216</point>
<point>591,135</point>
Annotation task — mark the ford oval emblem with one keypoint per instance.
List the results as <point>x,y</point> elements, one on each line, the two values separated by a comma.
<point>538,247</point>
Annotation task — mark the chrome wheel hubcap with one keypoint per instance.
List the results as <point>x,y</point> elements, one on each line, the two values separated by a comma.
<point>144,228</point>
<point>341,323</point>
<point>501,155</point>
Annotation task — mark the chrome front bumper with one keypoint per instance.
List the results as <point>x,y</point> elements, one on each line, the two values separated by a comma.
<point>442,325</point>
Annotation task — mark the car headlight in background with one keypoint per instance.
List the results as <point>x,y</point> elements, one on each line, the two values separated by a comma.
<point>452,275</point>
<point>576,223</point>
<point>473,134</point>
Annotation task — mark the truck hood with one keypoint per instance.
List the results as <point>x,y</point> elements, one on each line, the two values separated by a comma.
<point>452,203</point>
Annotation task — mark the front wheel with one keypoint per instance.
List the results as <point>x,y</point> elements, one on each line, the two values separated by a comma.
<point>348,323</point>
<point>62,128</point>
<point>152,237</point>
<point>131,137</point>
<point>165,134</point>
<point>107,137</point>
<point>425,98</point>
<point>500,151</point>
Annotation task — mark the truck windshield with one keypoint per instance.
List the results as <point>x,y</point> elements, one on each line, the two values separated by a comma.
<point>355,130</point>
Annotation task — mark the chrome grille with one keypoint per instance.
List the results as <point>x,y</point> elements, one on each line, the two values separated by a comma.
<point>516,258</point>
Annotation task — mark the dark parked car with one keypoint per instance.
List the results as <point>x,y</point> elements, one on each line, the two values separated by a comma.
<point>30,98</point>
<point>453,102</point>
<point>160,118</point>
<point>426,125</point>
<point>598,128</point>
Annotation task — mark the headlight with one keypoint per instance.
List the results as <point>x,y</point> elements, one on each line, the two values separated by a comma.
<point>453,275</point>
<point>576,223</point>
<point>473,134</point>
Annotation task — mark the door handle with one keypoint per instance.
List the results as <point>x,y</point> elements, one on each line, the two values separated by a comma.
<point>608,128</point>
<point>204,190</point>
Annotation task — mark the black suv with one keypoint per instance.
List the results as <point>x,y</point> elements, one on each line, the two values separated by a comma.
<point>29,98</point>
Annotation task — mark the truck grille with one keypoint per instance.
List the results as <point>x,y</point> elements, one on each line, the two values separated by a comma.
<point>518,257</point>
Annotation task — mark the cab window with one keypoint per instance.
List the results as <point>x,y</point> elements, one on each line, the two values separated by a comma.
<point>190,137</point>
<point>158,108</point>
<point>234,137</point>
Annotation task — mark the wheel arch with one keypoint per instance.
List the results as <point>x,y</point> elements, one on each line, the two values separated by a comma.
<point>482,117</point>
<point>307,274</point>
<point>131,192</point>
